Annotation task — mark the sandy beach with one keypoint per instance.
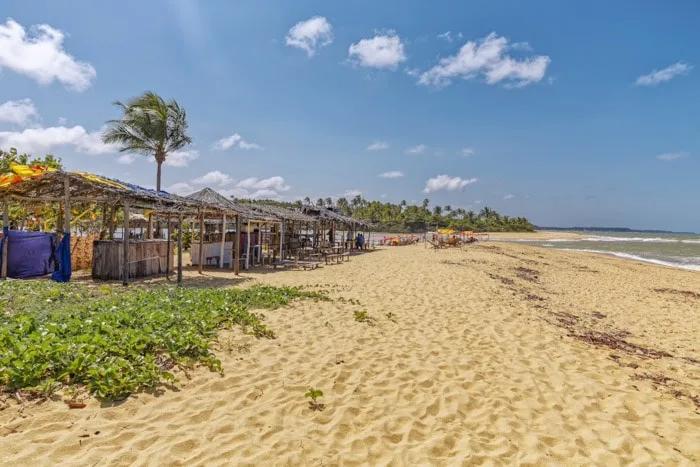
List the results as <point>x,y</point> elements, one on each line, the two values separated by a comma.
<point>498,353</point>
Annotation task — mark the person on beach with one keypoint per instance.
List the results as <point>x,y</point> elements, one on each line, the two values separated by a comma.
<point>359,241</point>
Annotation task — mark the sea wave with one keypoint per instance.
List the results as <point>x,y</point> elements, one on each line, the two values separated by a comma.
<point>681,263</point>
<point>632,239</point>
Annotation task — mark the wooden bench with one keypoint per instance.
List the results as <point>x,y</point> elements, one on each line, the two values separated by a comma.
<point>345,256</point>
<point>332,257</point>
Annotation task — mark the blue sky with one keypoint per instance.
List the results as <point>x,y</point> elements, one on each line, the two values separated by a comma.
<point>581,113</point>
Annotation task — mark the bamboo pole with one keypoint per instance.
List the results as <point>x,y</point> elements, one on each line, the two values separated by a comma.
<point>237,246</point>
<point>223,241</point>
<point>201,241</point>
<point>125,241</point>
<point>6,241</point>
<point>247,253</point>
<point>179,251</point>
<point>170,255</point>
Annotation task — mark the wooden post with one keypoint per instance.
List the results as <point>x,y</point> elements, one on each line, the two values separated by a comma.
<point>125,241</point>
<point>170,254</point>
<point>223,240</point>
<point>112,224</point>
<point>247,253</point>
<point>237,246</point>
<point>201,240</point>
<point>283,229</point>
<point>179,250</point>
<point>6,241</point>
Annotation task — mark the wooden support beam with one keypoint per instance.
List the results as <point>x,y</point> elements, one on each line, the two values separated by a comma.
<point>6,242</point>
<point>247,253</point>
<point>201,241</point>
<point>66,201</point>
<point>125,241</point>
<point>170,252</point>
<point>237,260</point>
<point>179,251</point>
<point>223,242</point>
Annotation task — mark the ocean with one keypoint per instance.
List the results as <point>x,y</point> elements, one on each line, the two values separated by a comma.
<point>667,249</point>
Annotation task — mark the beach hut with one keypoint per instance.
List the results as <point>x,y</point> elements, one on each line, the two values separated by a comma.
<point>119,259</point>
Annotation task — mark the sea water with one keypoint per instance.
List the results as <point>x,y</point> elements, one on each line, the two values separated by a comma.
<point>666,249</point>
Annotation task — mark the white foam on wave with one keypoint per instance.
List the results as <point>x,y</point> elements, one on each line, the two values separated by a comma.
<point>679,265</point>
<point>548,240</point>
<point>633,239</point>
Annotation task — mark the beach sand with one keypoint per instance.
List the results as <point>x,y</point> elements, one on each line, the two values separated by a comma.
<point>473,359</point>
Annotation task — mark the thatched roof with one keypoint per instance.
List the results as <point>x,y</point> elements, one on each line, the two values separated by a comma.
<point>85,187</point>
<point>328,214</point>
<point>281,213</point>
<point>211,198</point>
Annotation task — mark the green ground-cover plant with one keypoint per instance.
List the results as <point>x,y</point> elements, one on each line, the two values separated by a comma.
<point>314,394</point>
<point>114,342</point>
<point>364,317</point>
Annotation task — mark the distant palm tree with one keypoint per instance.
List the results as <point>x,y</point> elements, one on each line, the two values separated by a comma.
<point>329,203</point>
<point>486,212</point>
<point>426,203</point>
<point>149,126</point>
<point>319,202</point>
<point>307,201</point>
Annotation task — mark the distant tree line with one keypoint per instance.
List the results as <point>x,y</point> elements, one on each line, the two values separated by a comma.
<point>402,217</point>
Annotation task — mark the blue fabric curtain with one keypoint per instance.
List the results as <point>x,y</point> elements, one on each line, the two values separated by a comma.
<point>3,240</point>
<point>63,272</point>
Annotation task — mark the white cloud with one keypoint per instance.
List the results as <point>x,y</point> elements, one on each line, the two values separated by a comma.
<point>449,37</point>
<point>420,149</point>
<point>181,188</point>
<point>19,112</point>
<point>235,140</point>
<point>383,195</point>
<point>478,201</point>
<point>213,178</point>
<point>378,146</point>
<point>665,74</point>
<point>466,152</point>
<point>273,183</point>
<point>508,196</point>
<point>310,35</point>
<point>126,159</point>
<point>352,193</point>
<point>35,140</point>
<point>40,55</point>
<point>62,121</point>
<point>672,156</point>
<point>488,57</point>
<point>181,158</point>
<point>382,51</point>
<point>445,182</point>
<point>391,174</point>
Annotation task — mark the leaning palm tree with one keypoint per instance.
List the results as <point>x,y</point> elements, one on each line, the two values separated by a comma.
<point>149,126</point>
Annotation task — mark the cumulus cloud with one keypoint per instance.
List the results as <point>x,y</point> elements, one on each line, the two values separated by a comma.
<point>391,174</point>
<point>478,201</point>
<point>35,140</point>
<point>39,54</point>
<point>508,196</point>
<point>378,146</point>
<point>310,35</point>
<point>488,57</point>
<point>447,183</point>
<point>420,149</point>
<point>126,159</point>
<point>672,156</point>
<point>235,140</point>
<point>665,74</point>
<point>19,112</point>
<point>181,158</point>
<point>384,51</point>
<point>181,188</point>
<point>215,177</point>
<point>466,152</point>
<point>352,193</point>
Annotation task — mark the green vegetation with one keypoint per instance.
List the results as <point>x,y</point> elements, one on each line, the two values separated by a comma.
<point>364,317</point>
<point>314,394</point>
<point>402,217</point>
<point>113,342</point>
<point>149,126</point>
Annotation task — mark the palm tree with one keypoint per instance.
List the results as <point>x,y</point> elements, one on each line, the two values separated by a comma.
<point>307,201</point>
<point>329,203</point>
<point>319,202</point>
<point>149,126</point>
<point>426,203</point>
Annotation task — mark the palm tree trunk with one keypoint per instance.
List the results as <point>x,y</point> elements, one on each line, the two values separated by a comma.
<point>159,173</point>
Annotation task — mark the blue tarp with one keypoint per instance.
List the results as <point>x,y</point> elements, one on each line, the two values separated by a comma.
<point>32,254</point>
<point>63,259</point>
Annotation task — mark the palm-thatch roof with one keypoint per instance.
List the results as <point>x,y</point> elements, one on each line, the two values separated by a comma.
<point>328,214</point>
<point>208,197</point>
<point>281,213</point>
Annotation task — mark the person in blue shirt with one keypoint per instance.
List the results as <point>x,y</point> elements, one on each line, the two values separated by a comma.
<point>360,241</point>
